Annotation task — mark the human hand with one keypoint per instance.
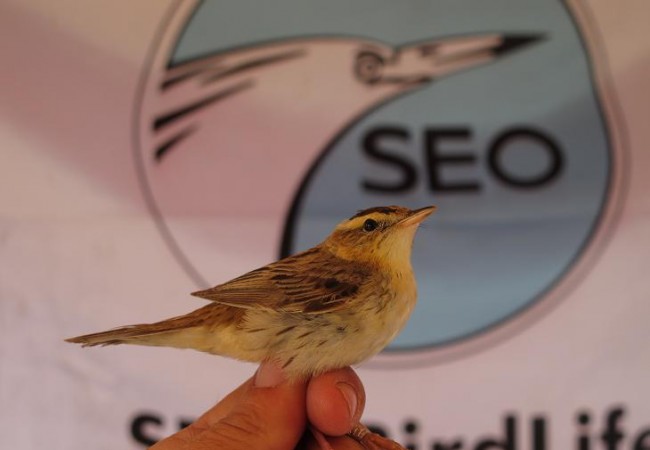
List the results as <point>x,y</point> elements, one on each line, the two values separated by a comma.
<point>266,412</point>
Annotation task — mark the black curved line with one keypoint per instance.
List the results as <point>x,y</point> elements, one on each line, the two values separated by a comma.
<point>286,242</point>
<point>167,236</point>
<point>617,113</point>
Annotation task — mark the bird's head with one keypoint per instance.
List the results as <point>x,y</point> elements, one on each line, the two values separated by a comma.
<point>382,67</point>
<point>382,235</point>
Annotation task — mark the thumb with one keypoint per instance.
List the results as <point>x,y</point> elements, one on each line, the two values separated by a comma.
<point>269,414</point>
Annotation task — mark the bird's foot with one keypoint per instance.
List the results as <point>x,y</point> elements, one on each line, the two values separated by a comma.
<point>372,441</point>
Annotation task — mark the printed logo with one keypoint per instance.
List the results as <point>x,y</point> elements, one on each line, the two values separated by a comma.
<point>291,122</point>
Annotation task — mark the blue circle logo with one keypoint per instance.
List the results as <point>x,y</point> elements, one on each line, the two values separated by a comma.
<point>492,117</point>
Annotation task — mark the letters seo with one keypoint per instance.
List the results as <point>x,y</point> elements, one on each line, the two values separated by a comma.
<point>388,146</point>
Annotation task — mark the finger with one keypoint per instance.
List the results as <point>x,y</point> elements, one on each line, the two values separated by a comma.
<point>335,401</point>
<point>344,443</point>
<point>224,407</point>
<point>207,419</point>
<point>309,442</point>
<point>269,413</point>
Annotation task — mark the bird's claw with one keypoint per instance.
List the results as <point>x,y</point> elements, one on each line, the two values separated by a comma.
<point>372,441</point>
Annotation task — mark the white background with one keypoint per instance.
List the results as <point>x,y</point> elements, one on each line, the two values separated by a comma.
<point>79,252</point>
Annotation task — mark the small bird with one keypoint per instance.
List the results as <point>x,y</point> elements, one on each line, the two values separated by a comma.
<point>334,305</point>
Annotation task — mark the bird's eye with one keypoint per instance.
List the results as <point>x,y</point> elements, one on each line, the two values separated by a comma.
<point>369,225</point>
<point>368,67</point>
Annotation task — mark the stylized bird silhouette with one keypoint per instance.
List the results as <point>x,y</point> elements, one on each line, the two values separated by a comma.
<point>212,128</point>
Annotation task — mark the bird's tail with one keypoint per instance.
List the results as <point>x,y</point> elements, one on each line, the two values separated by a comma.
<point>171,333</point>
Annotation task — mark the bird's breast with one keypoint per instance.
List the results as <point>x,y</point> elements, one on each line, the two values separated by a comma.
<point>396,307</point>
<point>307,344</point>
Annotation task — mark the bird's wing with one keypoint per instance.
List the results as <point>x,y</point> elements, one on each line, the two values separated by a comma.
<point>311,282</point>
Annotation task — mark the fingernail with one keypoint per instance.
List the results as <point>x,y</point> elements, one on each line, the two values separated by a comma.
<point>269,375</point>
<point>350,396</point>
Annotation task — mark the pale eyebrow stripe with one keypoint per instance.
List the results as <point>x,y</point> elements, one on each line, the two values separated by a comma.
<point>377,209</point>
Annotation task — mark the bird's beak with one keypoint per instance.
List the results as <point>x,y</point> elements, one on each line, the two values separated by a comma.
<point>417,216</point>
<point>425,61</point>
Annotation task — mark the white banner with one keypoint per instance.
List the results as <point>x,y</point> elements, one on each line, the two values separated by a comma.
<point>151,149</point>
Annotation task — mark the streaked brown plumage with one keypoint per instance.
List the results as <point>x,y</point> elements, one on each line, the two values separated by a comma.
<point>331,306</point>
